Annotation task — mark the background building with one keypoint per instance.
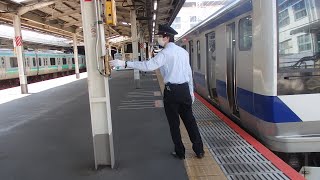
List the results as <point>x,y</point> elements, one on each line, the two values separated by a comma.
<point>195,11</point>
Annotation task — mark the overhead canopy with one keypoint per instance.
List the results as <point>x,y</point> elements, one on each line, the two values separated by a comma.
<point>63,17</point>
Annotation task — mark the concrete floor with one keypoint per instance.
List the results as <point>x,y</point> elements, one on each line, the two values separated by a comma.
<point>47,135</point>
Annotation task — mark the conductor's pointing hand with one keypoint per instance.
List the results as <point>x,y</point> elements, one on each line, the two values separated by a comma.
<point>117,63</point>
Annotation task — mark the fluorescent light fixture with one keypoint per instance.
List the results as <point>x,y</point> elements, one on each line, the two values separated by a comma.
<point>154,16</point>
<point>18,1</point>
<point>153,29</point>
<point>153,24</point>
<point>155,5</point>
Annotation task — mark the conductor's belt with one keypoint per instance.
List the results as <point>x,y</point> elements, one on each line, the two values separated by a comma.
<point>175,84</point>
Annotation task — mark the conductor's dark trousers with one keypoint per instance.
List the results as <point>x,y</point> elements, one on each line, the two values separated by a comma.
<point>177,101</point>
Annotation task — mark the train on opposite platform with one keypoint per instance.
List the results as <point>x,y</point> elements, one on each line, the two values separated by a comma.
<point>38,65</point>
<point>259,62</point>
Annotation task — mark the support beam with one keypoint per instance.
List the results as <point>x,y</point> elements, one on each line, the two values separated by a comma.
<point>75,52</point>
<point>26,9</point>
<point>62,15</point>
<point>71,23</point>
<point>98,86</point>
<point>20,54</point>
<point>135,45</point>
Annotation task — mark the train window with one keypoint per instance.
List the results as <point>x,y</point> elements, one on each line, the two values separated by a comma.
<point>53,61</point>
<point>13,62</point>
<point>2,62</point>
<point>298,49</point>
<point>40,61</point>
<point>64,61</point>
<point>45,61</point>
<point>27,63</point>
<point>245,33</point>
<point>34,62</point>
<point>198,55</point>
<point>73,61</point>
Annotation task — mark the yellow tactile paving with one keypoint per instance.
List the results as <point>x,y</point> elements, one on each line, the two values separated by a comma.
<point>197,169</point>
<point>205,168</point>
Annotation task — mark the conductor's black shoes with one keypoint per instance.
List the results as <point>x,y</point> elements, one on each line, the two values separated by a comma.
<point>200,155</point>
<point>174,154</point>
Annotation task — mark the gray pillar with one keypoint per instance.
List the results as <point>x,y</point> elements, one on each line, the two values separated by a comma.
<point>122,52</point>
<point>75,52</point>
<point>98,86</point>
<point>134,45</point>
<point>20,54</point>
<point>141,45</point>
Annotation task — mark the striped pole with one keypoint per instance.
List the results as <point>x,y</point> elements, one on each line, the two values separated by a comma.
<point>20,54</point>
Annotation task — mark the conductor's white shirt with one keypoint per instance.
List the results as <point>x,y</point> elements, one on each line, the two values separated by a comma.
<point>173,62</point>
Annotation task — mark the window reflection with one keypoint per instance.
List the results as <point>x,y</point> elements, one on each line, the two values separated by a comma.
<point>299,46</point>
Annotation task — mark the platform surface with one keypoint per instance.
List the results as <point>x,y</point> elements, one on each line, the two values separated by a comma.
<point>47,134</point>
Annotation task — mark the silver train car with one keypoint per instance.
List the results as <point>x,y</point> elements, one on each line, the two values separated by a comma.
<point>37,63</point>
<point>259,62</point>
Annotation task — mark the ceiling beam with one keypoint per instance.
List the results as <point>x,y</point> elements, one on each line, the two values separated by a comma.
<point>71,23</point>
<point>63,14</point>
<point>37,25</point>
<point>24,9</point>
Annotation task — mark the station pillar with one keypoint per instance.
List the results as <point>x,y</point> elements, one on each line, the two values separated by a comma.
<point>20,54</point>
<point>75,52</point>
<point>98,85</point>
<point>141,45</point>
<point>134,45</point>
<point>122,52</point>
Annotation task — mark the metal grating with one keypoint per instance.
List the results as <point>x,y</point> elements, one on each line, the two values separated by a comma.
<point>245,158</point>
<point>233,151</point>
<point>236,157</point>
<point>267,176</point>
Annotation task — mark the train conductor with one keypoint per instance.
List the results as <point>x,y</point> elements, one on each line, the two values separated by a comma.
<point>173,62</point>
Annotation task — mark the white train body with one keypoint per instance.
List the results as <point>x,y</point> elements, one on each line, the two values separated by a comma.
<point>259,62</point>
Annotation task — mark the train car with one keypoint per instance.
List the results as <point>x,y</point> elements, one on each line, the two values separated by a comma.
<point>259,62</point>
<point>37,63</point>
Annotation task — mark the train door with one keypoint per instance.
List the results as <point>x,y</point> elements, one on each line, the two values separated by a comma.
<point>231,69</point>
<point>211,64</point>
<point>70,63</point>
<point>2,68</point>
<point>46,64</point>
<point>59,64</point>
<point>191,54</point>
<point>27,65</point>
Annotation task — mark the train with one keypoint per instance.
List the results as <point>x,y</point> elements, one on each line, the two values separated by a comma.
<point>258,61</point>
<point>37,63</point>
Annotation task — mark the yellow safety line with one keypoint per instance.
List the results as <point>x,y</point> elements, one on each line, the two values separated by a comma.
<point>197,169</point>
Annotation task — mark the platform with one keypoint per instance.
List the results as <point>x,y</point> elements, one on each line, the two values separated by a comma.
<point>47,135</point>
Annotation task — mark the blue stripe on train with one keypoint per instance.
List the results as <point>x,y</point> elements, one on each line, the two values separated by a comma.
<point>267,108</point>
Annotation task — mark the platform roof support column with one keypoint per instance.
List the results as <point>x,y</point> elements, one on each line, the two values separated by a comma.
<point>20,54</point>
<point>75,52</point>
<point>141,45</point>
<point>98,85</point>
<point>134,45</point>
<point>122,52</point>
<point>109,49</point>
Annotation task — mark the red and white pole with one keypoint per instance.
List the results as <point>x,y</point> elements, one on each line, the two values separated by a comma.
<point>18,45</point>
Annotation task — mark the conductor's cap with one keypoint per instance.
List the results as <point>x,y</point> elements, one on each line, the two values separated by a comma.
<point>165,29</point>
